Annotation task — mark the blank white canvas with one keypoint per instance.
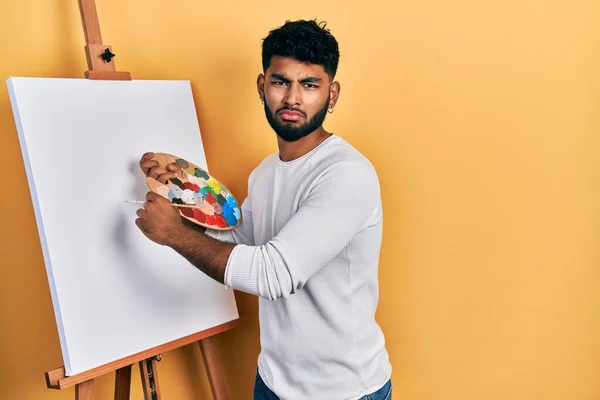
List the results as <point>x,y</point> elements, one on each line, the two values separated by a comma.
<point>114,292</point>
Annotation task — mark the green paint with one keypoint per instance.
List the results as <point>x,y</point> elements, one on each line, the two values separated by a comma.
<point>201,174</point>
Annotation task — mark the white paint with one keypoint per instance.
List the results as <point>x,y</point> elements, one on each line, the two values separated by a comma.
<point>114,292</point>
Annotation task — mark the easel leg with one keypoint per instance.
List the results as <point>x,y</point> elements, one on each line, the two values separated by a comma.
<point>149,379</point>
<point>123,383</point>
<point>213,368</point>
<point>85,390</point>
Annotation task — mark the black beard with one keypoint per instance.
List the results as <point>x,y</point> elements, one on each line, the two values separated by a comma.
<point>291,133</point>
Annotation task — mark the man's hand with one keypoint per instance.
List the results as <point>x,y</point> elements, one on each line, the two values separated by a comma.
<point>160,221</point>
<point>153,169</point>
<point>162,174</point>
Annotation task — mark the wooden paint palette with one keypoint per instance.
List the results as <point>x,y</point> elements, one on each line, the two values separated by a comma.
<point>208,202</point>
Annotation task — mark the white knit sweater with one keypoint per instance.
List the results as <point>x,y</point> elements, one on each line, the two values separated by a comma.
<point>309,247</point>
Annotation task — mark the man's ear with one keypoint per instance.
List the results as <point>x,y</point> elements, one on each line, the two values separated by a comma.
<point>260,86</point>
<point>334,94</point>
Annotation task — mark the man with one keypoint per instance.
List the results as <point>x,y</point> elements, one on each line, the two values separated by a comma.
<point>310,238</point>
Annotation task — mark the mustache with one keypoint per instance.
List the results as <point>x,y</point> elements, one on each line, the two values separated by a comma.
<point>291,109</point>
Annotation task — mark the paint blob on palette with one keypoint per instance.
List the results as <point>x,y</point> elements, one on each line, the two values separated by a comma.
<point>211,204</point>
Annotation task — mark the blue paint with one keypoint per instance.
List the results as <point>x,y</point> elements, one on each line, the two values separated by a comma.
<point>230,219</point>
<point>229,213</point>
<point>227,209</point>
<point>231,201</point>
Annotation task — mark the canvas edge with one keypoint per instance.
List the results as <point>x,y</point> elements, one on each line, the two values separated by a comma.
<point>10,82</point>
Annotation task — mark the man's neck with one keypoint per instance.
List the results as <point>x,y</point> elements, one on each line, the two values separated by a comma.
<point>289,151</point>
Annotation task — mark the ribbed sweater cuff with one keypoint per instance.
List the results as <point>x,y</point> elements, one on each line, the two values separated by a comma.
<point>239,273</point>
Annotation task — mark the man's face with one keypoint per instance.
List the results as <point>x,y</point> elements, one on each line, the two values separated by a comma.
<point>296,97</point>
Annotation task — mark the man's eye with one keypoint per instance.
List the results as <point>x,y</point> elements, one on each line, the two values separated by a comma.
<point>310,86</point>
<point>278,83</point>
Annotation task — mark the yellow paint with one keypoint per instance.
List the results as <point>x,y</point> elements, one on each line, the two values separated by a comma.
<point>482,119</point>
<point>214,185</point>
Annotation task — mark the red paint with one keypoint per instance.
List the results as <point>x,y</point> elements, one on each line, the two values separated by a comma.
<point>210,198</point>
<point>192,186</point>
<point>199,216</point>
<point>188,212</point>
<point>220,221</point>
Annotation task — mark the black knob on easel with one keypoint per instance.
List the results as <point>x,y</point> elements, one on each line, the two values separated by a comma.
<point>107,55</point>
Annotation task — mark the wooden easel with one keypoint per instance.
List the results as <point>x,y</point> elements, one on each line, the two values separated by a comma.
<point>101,66</point>
<point>84,382</point>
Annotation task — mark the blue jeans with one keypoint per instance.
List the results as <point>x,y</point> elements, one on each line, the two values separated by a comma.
<point>262,392</point>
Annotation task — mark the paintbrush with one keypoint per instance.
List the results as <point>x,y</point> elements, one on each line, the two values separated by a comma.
<point>173,204</point>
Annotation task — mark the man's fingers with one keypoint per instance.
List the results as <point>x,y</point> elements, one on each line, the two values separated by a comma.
<point>151,196</point>
<point>154,170</point>
<point>141,224</point>
<point>164,178</point>
<point>157,171</point>
<point>161,174</point>
<point>147,165</point>
<point>146,156</point>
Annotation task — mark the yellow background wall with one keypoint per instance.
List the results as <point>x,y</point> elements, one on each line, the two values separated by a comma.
<point>482,119</point>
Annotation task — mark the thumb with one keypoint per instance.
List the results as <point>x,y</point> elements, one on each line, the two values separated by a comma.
<point>173,167</point>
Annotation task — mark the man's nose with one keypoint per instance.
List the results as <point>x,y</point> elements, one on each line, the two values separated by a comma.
<point>293,95</point>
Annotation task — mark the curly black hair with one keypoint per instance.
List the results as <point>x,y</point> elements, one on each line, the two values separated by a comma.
<point>305,41</point>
